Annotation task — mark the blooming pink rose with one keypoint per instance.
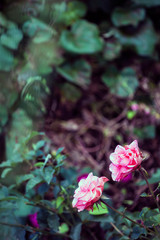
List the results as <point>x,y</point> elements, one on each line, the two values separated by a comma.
<point>88,192</point>
<point>125,160</point>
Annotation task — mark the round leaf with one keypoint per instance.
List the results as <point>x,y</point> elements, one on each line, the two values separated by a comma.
<point>123,17</point>
<point>68,13</point>
<point>6,59</point>
<point>78,72</point>
<point>11,38</point>
<point>82,39</point>
<point>122,84</point>
<point>143,41</point>
<point>112,50</point>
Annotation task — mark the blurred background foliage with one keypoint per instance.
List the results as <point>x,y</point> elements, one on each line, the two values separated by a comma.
<point>85,72</point>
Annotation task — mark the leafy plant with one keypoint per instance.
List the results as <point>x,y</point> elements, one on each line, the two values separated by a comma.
<point>82,39</point>
<point>122,84</point>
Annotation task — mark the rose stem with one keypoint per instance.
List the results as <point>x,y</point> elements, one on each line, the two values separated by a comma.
<point>123,215</point>
<point>149,186</point>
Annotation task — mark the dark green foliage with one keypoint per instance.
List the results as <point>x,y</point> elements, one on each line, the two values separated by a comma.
<point>82,39</point>
<point>137,231</point>
<point>123,17</point>
<point>151,180</point>
<point>76,233</point>
<point>73,48</point>
<point>143,41</point>
<point>147,3</point>
<point>145,132</point>
<point>79,72</point>
<point>122,84</point>
<point>68,13</point>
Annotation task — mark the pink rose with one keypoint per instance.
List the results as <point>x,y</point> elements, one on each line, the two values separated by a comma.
<point>125,160</point>
<point>88,192</point>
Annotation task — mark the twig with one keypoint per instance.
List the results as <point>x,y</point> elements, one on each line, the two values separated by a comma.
<point>142,171</point>
<point>32,229</point>
<point>124,216</point>
<point>114,226</point>
<point>89,158</point>
<point>50,210</point>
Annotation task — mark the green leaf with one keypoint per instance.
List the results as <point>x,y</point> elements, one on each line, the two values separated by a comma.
<point>33,182</point>
<point>144,195</point>
<point>9,198</point>
<point>131,114</point>
<point>23,178</point>
<point>6,59</point>
<point>3,20</point>
<point>11,38</point>
<point>145,132</point>
<point>150,216</point>
<point>156,219</point>
<point>78,72</point>
<point>34,94</point>
<point>152,180</point>
<point>68,13</point>
<point>143,41</point>
<point>70,92</point>
<point>39,164</point>
<point>63,228</point>
<point>85,216</point>
<point>48,157</point>
<point>82,39</point>
<point>31,136</point>
<point>99,209</point>
<point>122,84</point>
<point>33,88</point>
<point>53,221</point>
<point>48,174</point>
<point>23,209</point>
<point>4,191</point>
<point>137,231</point>
<point>20,132</point>
<point>146,3</point>
<point>112,50</point>
<point>76,232</point>
<point>59,150</point>
<point>5,172</point>
<point>59,201</point>
<point>39,30</point>
<point>123,17</point>
<point>43,57</point>
<point>12,233</point>
<point>39,144</point>
<point>124,238</point>
<point>3,115</point>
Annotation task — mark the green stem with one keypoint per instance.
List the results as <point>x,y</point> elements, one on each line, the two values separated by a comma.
<point>32,229</point>
<point>114,226</point>
<point>149,186</point>
<point>50,210</point>
<point>124,216</point>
